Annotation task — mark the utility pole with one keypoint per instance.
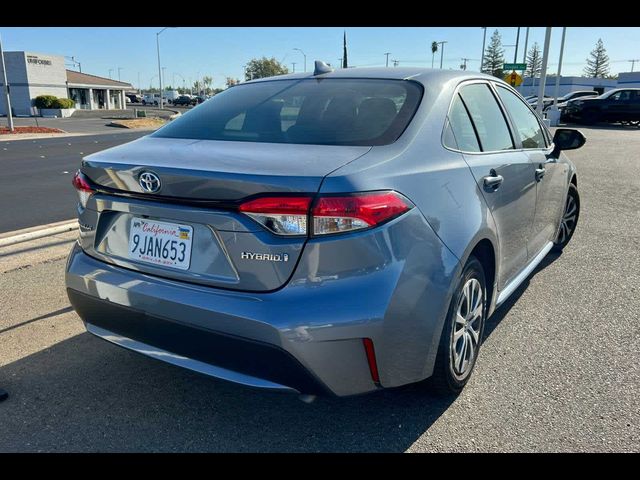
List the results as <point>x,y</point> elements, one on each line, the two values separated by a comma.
<point>139,91</point>
<point>484,41</point>
<point>119,68</point>
<point>389,53</point>
<point>441,52</point>
<point>6,89</point>
<point>294,66</point>
<point>79,64</point>
<point>395,62</point>
<point>633,62</point>
<point>543,74</point>
<point>340,62</point>
<point>464,65</point>
<point>110,70</point>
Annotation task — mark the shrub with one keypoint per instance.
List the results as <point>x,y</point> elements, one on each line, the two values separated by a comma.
<point>45,101</point>
<point>63,103</point>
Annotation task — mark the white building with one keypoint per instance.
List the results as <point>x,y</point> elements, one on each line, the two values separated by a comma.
<point>567,84</point>
<point>32,74</point>
<point>629,80</point>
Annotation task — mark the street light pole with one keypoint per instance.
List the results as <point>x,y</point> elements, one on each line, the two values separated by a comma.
<point>484,41</point>
<point>515,55</point>
<point>159,68</point>
<point>387,55</point>
<point>6,88</point>
<point>543,74</point>
<point>441,52</point>
<point>305,59</point>
<point>294,67</point>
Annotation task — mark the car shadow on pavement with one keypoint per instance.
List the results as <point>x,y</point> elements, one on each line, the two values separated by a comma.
<point>84,394</point>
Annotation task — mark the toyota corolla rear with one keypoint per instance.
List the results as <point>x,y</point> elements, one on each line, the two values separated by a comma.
<point>211,244</point>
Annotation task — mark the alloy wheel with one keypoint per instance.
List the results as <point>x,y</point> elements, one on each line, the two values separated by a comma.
<point>467,328</point>
<point>568,222</point>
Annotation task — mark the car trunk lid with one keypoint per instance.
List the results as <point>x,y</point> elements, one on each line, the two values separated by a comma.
<point>201,185</point>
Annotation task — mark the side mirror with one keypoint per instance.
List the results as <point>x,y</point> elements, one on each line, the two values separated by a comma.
<point>567,139</point>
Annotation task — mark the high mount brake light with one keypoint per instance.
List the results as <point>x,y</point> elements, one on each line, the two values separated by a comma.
<point>330,214</point>
<point>82,186</point>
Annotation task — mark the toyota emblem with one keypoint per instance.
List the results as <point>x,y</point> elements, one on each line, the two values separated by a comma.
<point>149,181</point>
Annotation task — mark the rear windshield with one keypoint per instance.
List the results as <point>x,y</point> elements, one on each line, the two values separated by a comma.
<point>311,111</point>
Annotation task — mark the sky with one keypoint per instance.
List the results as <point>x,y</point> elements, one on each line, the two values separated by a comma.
<point>190,53</point>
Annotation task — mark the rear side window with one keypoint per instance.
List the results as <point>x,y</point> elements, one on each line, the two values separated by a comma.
<point>487,117</point>
<point>462,129</point>
<point>310,111</point>
<point>524,120</point>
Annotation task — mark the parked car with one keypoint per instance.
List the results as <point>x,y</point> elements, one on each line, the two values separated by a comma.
<point>184,100</point>
<point>562,101</point>
<point>362,245</point>
<point>151,99</point>
<point>134,97</point>
<point>617,105</point>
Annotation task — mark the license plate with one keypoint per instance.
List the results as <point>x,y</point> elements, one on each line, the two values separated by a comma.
<point>160,243</point>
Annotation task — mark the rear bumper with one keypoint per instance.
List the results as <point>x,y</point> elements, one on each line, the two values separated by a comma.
<point>392,285</point>
<point>212,353</point>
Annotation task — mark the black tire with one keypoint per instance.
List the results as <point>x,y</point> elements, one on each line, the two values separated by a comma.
<point>445,380</point>
<point>566,222</point>
<point>589,117</point>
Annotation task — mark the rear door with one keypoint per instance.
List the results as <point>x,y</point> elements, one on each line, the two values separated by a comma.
<point>619,106</point>
<point>550,176</point>
<point>504,175</point>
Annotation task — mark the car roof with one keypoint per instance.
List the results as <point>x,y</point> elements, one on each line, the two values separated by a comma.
<point>422,75</point>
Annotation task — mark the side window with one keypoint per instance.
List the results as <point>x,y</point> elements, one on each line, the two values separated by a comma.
<point>487,117</point>
<point>464,136</point>
<point>526,123</point>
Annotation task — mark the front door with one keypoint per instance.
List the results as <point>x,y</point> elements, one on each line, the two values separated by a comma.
<point>550,176</point>
<point>504,175</point>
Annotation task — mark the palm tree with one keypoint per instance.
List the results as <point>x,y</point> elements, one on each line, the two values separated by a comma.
<point>434,50</point>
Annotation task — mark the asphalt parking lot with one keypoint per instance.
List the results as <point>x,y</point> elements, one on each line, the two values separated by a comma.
<point>558,371</point>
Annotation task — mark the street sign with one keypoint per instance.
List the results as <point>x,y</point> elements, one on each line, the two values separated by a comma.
<point>513,79</point>
<point>514,66</point>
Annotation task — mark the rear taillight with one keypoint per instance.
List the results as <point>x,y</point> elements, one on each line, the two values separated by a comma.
<point>281,215</point>
<point>356,211</point>
<point>330,214</point>
<point>82,186</point>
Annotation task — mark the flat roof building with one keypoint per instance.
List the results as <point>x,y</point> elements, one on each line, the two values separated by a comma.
<point>32,74</point>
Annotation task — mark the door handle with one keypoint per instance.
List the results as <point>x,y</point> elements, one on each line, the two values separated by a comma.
<point>493,181</point>
<point>540,171</point>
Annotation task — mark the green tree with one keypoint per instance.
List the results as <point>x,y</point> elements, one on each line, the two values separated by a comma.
<point>494,56</point>
<point>534,61</point>
<point>264,67</point>
<point>598,62</point>
<point>207,81</point>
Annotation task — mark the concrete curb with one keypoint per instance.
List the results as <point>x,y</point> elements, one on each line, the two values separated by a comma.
<point>33,233</point>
